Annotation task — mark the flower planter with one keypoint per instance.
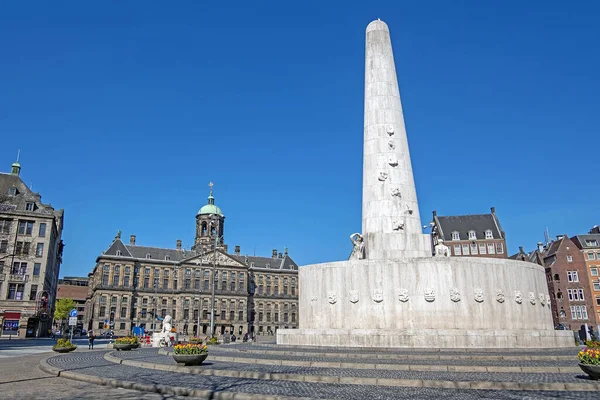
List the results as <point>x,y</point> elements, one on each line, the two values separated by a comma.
<point>190,359</point>
<point>592,370</point>
<point>63,349</point>
<point>124,347</point>
<point>135,346</point>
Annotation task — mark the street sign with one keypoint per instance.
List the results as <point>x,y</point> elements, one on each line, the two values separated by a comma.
<point>73,313</point>
<point>72,321</point>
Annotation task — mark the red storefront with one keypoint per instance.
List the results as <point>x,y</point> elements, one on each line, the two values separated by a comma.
<point>10,324</point>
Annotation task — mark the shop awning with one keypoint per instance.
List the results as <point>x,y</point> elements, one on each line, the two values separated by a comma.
<point>12,315</point>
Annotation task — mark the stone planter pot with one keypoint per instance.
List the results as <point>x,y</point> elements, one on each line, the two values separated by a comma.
<point>63,349</point>
<point>136,346</point>
<point>592,370</point>
<point>190,359</point>
<point>124,347</point>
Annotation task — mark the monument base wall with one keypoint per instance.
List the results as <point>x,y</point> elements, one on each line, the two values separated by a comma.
<point>425,338</point>
<point>447,302</point>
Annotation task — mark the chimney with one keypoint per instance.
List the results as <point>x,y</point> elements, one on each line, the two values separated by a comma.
<point>178,244</point>
<point>285,252</point>
<point>237,250</point>
<point>274,253</point>
<point>521,249</point>
<point>558,237</point>
<point>132,240</point>
<point>280,255</point>
<point>434,213</point>
<point>493,209</point>
<point>540,247</point>
<point>595,229</point>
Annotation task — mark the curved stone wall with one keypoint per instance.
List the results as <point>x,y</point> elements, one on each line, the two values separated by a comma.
<point>425,302</point>
<point>425,293</point>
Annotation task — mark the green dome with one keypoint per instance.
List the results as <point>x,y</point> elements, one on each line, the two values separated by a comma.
<point>210,208</point>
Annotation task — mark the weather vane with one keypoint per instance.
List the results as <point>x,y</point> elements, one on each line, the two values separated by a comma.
<point>210,185</point>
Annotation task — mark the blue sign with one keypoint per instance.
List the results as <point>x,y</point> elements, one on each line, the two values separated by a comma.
<point>73,313</point>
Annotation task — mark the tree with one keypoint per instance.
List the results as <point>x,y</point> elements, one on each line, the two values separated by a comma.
<point>63,306</point>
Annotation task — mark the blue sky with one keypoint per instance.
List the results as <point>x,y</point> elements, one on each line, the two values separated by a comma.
<point>124,111</point>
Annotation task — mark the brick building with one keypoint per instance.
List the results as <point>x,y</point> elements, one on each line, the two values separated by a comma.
<point>75,288</point>
<point>132,284</point>
<point>477,235</point>
<point>589,245</point>
<point>30,257</point>
<point>568,281</point>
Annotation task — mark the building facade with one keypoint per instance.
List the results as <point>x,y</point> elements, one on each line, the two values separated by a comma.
<point>133,286</point>
<point>30,257</point>
<point>568,281</point>
<point>75,288</point>
<point>470,235</point>
<point>589,245</point>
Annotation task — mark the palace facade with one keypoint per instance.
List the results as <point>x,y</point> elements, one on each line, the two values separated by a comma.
<point>136,286</point>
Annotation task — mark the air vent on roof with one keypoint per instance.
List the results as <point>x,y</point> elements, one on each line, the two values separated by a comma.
<point>148,255</point>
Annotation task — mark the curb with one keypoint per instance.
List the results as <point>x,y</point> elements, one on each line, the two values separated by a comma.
<point>477,385</point>
<point>161,389</point>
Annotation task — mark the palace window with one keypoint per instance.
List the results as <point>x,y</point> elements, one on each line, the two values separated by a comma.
<point>482,248</point>
<point>591,255</point>
<point>499,248</point>
<point>148,255</point>
<point>488,234</point>
<point>472,235</point>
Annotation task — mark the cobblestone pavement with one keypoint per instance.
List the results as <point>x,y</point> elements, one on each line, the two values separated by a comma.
<point>20,347</point>
<point>21,379</point>
<point>151,356</point>
<point>93,363</point>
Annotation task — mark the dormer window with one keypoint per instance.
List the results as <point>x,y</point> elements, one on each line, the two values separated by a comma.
<point>29,206</point>
<point>592,242</point>
<point>268,265</point>
<point>488,234</point>
<point>12,191</point>
<point>148,255</point>
<point>455,236</point>
<point>168,257</point>
<point>472,235</point>
<point>119,253</point>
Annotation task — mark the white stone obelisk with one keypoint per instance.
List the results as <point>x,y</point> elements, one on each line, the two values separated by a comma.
<point>391,225</point>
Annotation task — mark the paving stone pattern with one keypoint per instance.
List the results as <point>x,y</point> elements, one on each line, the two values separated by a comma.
<point>151,356</point>
<point>95,364</point>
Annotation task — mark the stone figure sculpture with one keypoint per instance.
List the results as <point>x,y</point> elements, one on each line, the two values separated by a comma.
<point>331,297</point>
<point>396,192</point>
<point>429,294</point>
<point>441,250</point>
<point>353,296</point>
<point>500,296</point>
<point>377,295</point>
<point>383,176</point>
<point>358,252</point>
<point>518,297</point>
<point>532,298</point>
<point>163,338</point>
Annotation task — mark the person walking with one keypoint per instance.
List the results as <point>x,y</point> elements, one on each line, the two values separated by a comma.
<point>91,338</point>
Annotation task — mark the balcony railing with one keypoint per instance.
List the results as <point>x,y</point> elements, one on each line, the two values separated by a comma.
<point>18,278</point>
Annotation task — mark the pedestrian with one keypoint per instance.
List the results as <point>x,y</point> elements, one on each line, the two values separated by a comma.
<point>91,338</point>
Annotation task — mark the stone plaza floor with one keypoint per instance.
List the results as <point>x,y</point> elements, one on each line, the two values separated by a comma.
<point>267,371</point>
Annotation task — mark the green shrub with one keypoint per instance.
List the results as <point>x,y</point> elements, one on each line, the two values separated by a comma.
<point>213,340</point>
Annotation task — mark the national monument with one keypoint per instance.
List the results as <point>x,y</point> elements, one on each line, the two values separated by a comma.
<point>394,291</point>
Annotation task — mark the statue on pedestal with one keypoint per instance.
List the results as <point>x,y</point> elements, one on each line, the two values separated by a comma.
<point>358,252</point>
<point>441,250</point>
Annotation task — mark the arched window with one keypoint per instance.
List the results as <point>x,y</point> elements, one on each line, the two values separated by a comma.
<point>559,295</point>
<point>556,277</point>
<point>204,228</point>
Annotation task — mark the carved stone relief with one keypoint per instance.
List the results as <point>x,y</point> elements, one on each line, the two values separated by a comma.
<point>478,294</point>
<point>542,299</point>
<point>403,295</point>
<point>396,193</point>
<point>378,295</point>
<point>532,298</point>
<point>390,130</point>
<point>454,295</point>
<point>314,298</point>
<point>331,297</point>
<point>393,161</point>
<point>548,300</point>
<point>429,294</point>
<point>383,176</point>
<point>353,296</point>
<point>518,297</point>
<point>500,296</point>
<point>391,145</point>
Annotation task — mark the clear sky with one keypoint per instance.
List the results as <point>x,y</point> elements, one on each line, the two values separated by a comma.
<point>124,111</point>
